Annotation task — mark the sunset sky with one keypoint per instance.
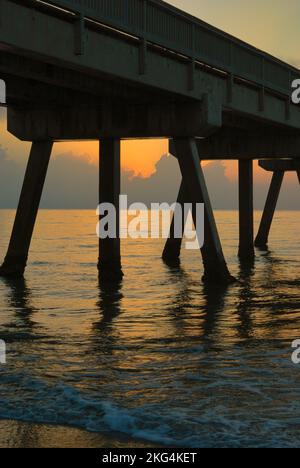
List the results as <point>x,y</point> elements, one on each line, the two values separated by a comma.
<point>272,25</point>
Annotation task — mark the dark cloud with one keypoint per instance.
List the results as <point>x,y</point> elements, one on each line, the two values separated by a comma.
<point>223,192</point>
<point>11,175</point>
<point>162,186</point>
<point>73,183</point>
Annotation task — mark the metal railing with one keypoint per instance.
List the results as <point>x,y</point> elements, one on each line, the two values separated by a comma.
<point>164,25</point>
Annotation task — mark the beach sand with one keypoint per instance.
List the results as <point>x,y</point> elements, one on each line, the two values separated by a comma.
<point>16,434</point>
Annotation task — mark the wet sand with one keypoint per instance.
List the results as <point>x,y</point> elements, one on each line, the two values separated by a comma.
<point>16,434</point>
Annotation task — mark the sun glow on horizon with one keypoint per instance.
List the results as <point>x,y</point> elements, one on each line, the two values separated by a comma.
<point>137,156</point>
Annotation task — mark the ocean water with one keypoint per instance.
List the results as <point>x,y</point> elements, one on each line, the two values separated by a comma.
<point>160,357</point>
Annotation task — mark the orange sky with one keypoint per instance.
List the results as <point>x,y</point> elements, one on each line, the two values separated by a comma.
<point>138,156</point>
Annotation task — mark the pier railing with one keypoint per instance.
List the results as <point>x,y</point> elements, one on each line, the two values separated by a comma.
<point>164,25</point>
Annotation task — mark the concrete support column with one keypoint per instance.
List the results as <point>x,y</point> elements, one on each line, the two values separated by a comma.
<point>109,264</point>
<point>269,210</point>
<point>171,253</point>
<point>246,223</point>
<point>16,258</point>
<point>215,267</point>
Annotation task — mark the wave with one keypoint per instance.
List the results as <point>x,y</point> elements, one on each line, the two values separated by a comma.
<point>211,427</point>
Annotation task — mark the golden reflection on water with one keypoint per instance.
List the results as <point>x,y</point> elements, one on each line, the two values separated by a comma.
<point>61,286</point>
<point>160,332</point>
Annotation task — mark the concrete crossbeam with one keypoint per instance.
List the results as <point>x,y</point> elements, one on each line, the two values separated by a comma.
<point>280,165</point>
<point>116,119</point>
<point>233,144</point>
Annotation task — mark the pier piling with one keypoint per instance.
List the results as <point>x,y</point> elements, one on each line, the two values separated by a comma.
<point>171,253</point>
<point>269,210</point>
<point>16,258</point>
<point>246,224</point>
<point>109,264</point>
<point>215,267</point>
<point>278,167</point>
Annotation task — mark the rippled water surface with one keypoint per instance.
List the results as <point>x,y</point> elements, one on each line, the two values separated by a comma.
<point>159,357</point>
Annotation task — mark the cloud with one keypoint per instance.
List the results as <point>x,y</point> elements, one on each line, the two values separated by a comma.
<point>162,186</point>
<point>11,175</point>
<point>72,183</point>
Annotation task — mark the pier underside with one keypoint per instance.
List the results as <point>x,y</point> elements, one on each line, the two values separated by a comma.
<point>205,113</point>
<point>193,190</point>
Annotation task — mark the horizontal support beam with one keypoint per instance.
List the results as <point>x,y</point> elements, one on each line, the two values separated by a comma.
<point>114,119</point>
<point>32,79</point>
<point>280,165</point>
<point>118,57</point>
<point>230,144</point>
